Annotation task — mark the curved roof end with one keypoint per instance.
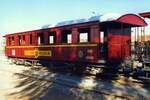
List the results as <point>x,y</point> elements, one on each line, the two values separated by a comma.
<point>132,19</point>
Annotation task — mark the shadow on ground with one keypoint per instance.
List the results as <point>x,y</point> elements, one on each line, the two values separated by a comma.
<point>70,87</point>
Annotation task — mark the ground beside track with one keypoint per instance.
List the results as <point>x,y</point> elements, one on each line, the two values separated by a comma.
<point>25,83</point>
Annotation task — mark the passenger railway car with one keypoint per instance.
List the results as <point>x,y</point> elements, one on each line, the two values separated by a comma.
<point>103,39</point>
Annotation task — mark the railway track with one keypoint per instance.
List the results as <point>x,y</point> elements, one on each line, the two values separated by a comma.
<point>67,83</point>
<point>88,73</point>
<point>42,74</point>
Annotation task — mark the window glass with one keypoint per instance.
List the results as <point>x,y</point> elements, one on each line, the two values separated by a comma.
<point>23,40</point>
<point>66,36</point>
<point>40,38</point>
<point>19,40</point>
<point>9,41</point>
<point>52,37</point>
<point>83,37</point>
<point>12,41</point>
<point>101,37</point>
<point>69,38</point>
<point>30,39</point>
<point>124,31</point>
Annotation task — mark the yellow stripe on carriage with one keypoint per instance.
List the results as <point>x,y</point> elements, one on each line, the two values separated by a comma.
<point>47,46</point>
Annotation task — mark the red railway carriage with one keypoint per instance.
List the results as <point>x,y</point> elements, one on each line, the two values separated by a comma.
<point>96,40</point>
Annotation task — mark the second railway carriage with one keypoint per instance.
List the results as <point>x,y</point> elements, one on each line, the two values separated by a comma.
<point>95,40</point>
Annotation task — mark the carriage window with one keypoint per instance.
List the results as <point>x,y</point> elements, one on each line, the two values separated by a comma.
<point>84,35</point>
<point>19,40</point>
<point>126,31</point>
<point>52,37</point>
<point>69,38</point>
<point>30,39</point>
<point>12,40</point>
<point>9,41</point>
<point>40,38</point>
<point>101,37</point>
<point>66,36</point>
<point>23,39</point>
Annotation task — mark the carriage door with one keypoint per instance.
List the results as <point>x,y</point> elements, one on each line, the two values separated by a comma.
<point>119,43</point>
<point>104,42</point>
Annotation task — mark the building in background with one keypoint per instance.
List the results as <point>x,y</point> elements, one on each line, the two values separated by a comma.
<point>147,35</point>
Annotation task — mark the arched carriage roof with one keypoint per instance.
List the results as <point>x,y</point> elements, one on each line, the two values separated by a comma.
<point>132,19</point>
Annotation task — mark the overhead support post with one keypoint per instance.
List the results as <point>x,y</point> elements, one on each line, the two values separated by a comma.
<point>144,32</point>
<point>137,34</point>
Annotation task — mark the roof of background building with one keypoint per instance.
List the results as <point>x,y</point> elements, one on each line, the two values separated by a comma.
<point>145,14</point>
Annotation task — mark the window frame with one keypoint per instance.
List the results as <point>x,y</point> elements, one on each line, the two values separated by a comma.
<point>52,33</point>
<point>83,31</point>
<point>40,36</point>
<point>9,40</point>
<point>19,40</point>
<point>64,36</point>
<point>31,39</point>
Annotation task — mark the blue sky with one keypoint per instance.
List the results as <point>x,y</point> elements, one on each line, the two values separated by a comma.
<point>21,15</point>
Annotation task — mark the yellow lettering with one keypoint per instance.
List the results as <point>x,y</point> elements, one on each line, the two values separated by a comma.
<point>37,53</point>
